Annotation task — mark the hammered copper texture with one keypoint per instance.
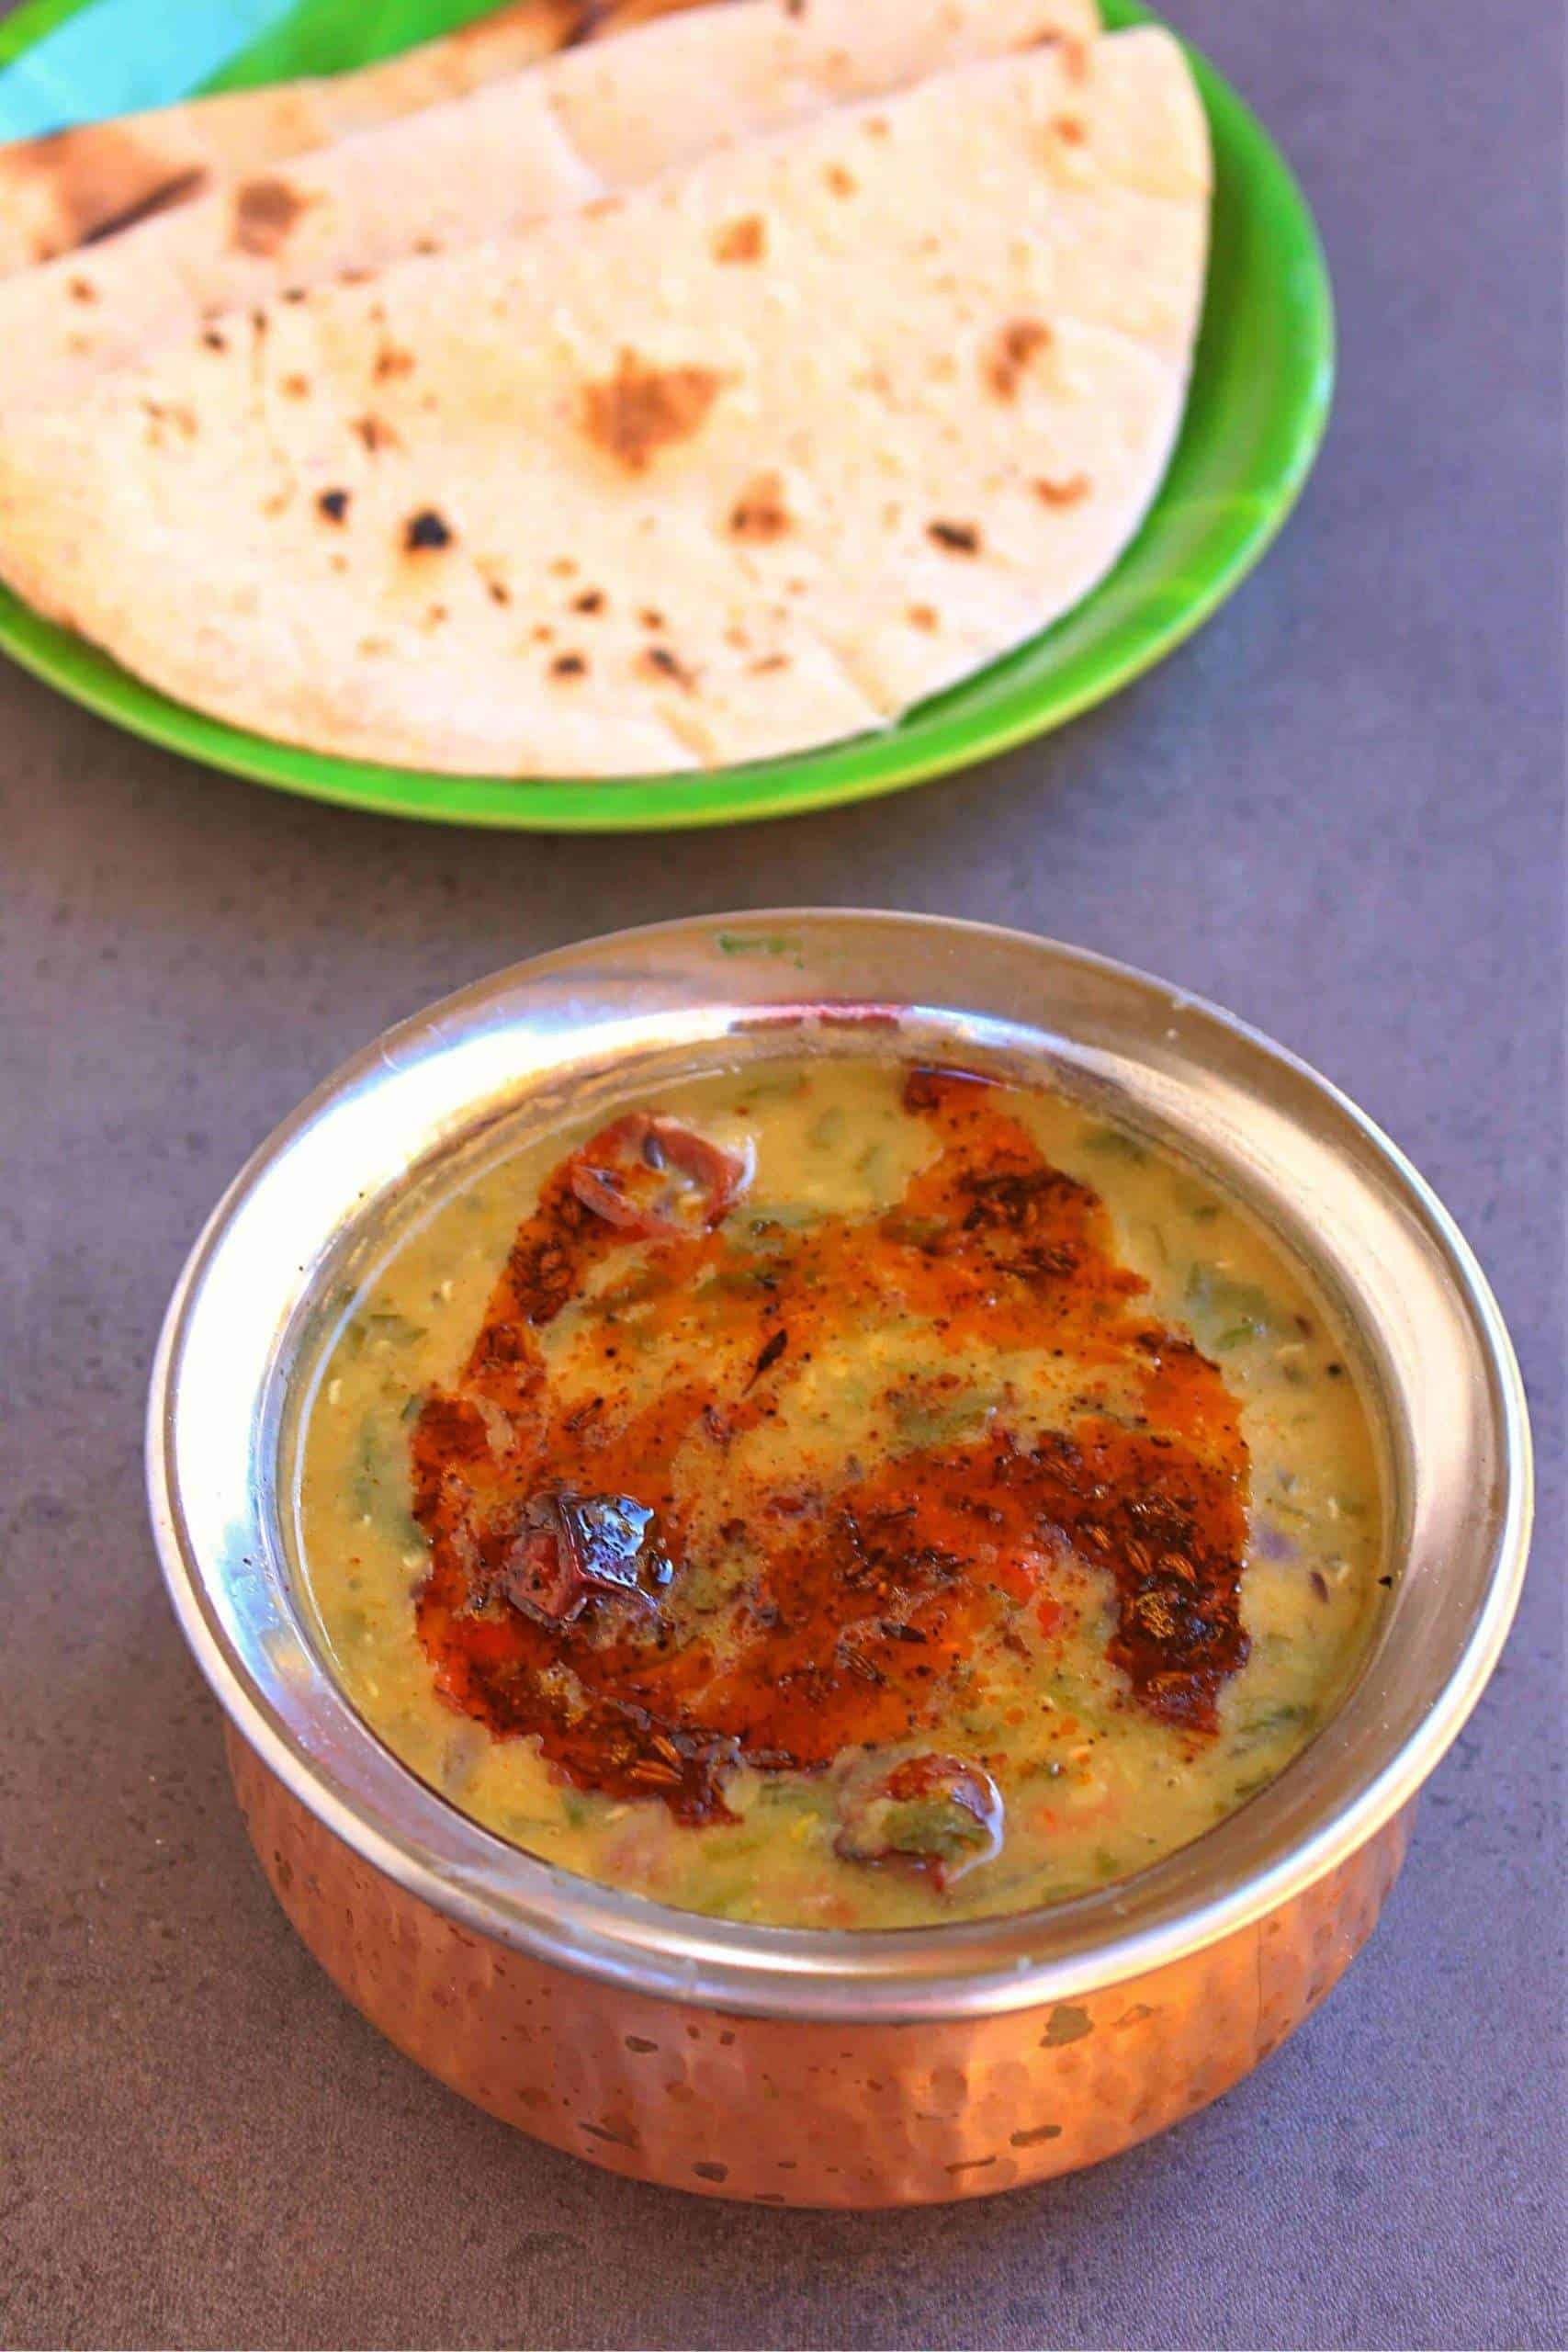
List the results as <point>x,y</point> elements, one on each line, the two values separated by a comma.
<point>786,2113</point>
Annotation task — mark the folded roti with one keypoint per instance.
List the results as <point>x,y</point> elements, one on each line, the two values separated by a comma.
<point>580,126</point>
<point>748,460</point>
<point>75,187</point>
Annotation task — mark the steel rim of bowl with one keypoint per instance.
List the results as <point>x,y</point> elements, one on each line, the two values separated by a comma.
<point>223,1557</point>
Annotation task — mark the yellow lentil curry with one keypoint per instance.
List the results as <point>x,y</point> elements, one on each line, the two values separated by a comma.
<point>841,1493</point>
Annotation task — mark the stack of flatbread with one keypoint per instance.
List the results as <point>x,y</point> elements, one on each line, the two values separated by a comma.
<point>705,392</point>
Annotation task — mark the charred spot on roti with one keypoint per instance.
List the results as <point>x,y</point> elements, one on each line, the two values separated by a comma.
<point>333,505</point>
<point>563,566</point>
<point>1016,345</point>
<point>82,290</point>
<point>426,532</point>
<point>265,211</point>
<point>374,433</point>
<point>590,601</point>
<point>742,240</point>
<point>392,361</point>
<point>658,662</point>
<point>642,408</point>
<point>427,245</point>
<point>1070,129</point>
<point>954,538</point>
<point>214,341</point>
<point>171,413</point>
<point>769,662</point>
<point>922,617</point>
<point>1075,58</point>
<point>760,513</point>
<point>294,294</point>
<point>295,387</point>
<point>496,589</point>
<point>652,617</point>
<point>841,182</point>
<point>178,189</point>
<point>1069,492</point>
<point>568,665</point>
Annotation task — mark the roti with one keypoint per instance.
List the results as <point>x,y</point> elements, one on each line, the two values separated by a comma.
<point>580,126</point>
<point>78,186</point>
<point>748,461</point>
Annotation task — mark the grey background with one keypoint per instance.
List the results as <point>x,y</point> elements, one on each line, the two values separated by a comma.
<point>1339,812</point>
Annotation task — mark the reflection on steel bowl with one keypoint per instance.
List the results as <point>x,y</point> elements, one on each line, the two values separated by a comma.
<point>874,1949</point>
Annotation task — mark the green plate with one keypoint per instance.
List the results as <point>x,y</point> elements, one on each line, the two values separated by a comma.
<point>1261,387</point>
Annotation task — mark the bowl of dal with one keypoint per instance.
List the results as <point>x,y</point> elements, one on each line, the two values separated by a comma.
<point>835,1545</point>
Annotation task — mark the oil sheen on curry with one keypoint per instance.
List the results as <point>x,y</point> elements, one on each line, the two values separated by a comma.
<point>841,1493</point>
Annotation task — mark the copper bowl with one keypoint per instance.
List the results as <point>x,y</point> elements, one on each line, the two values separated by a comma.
<point>773,2064</point>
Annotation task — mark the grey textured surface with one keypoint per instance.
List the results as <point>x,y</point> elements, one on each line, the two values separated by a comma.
<point>1340,812</point>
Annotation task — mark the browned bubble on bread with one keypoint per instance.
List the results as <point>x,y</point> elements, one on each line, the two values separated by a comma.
<point>642,408</point>
<point>265,211</point>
